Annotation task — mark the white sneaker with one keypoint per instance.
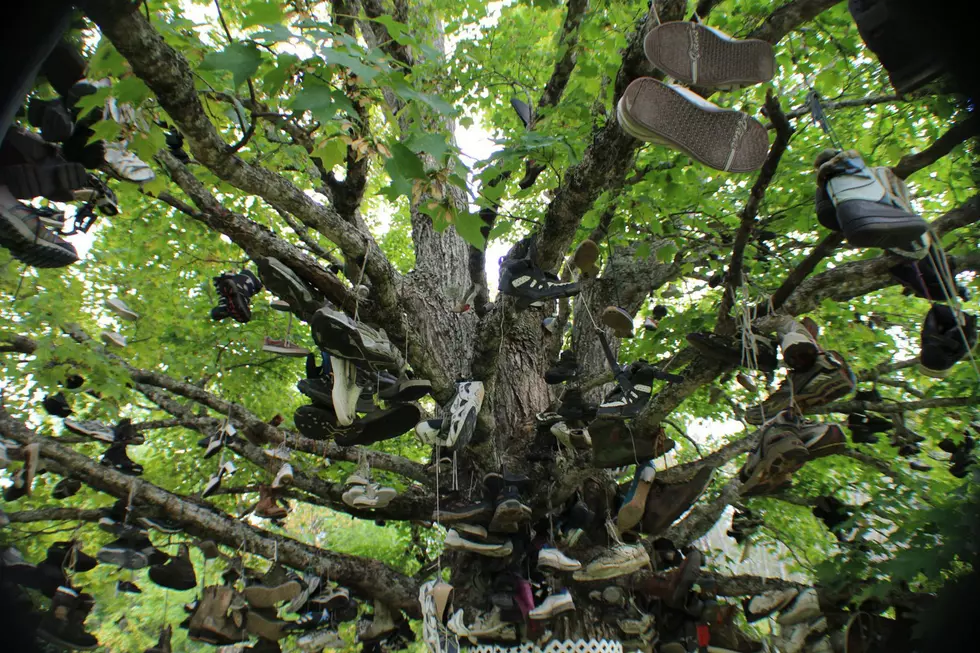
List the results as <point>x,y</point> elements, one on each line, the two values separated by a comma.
<point>284,477</point>
<point>763,605</point>
<point>361,475</point>
<point>805,607</point>
<point>491,550</point>
<point>113,338</point>
<point>215,481</point>
<point>278,453</point>
<point>345,390</point>
<point>553,606</point>
<point>551,558</point>
<point>373,496</point>
<point>458,428</point>
<point>428,431</point>
<point>621,560</point>
<point>126,165</point>
<point>120,308</point>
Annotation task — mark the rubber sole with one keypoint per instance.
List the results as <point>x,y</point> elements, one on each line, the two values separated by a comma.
<point>631,512</point>
<point>508,516</point>
<point>585,257</point>
<point>720,62</point>
<point>286,284</point>
<point>460,515</point>
<point>317,423</point>
<point>55,181</point>
<point>619,321</point>
<point>266,628</point>
<point>780,457</point>
<point>26,246</point>
<point>260,596</point>
<point>382,425</point>
<point>124,558</point>
<point>653,111</point>
<point>799,351</point>
<point>871,224</point>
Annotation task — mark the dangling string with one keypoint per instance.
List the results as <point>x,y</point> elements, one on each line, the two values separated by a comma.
<point>360,279</point>
<point>438,492</point>
<point>948,284</point>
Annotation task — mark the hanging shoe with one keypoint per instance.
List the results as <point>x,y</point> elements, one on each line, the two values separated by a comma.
<point>780,452</point>
<point>509,512</point>
<point>457,510</point>
<point>345,390</point>
<point>460,422</point>
<point>319,424</point>
<point>284,476</point>
<point>63,625</point>
<point>281,281</point>
<point>806,607</point>
<point>163,642</point>
<point>284,348</point>
<point>553,606</point>
<point>406,389</point>
<point>614,444</point>
<point>799,347</point>
<point>698,55</point>
<point>124,433</point>
<point>237,290</point>
<point>177,573</point>
<point>276,586</point>
<point>564,370</point>
<point>268,506</point>
<point>127,587</point>
<point>821,438</point>
<point>553,559</point>
<point>830,378</point>
<point>66,487</point>
<point>585,257</point>
<point>69,556</point>
<point>319,640</point>
<point>675,117</point>
<point>734,351</point>
<point>116,458</point>
<point>127,166</point>
<point>666,502</point>
<point>343,337</point>
<point>120,308</point>
<point>490,549</point>
<point>265,624</point>
<point>380,425</point>
<point>56,405</point>
<point>96,192</point>
<point>381,624</point>
<point>27,239</point>
<point>948,336</point>
<point>619,321</point>
<point>113,338</point>
<point>52,118</point>
<point>634,504</point>
<point>571,438</point>
<point>121,553</point>
<point>369,496</point>
<point>531,285</point>
<point>762,605</point>
<point>215,481</point>
<point>620,560</point>
<point>625,403</point>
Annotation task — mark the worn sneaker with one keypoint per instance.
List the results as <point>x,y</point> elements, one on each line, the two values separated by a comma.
<point>119,307</point>
<point>490,549</point>
<point>346,390</point>
<point>281,281</point>
<point>380,425</point>
<point>460,422</point>
<point>830,378</point>
<point>56,405</point>
<point>666,502</point>
<point>822,439</point>
<point>675,117</point>
<point>318,424</point>
<point>619,321</point>
<point>177,573</point>
<point>459,510</point>
<point>585,257</point>
<point>750,351</point>
<point>113,338</point>
<point>621,560</point>
<point>761,606</point>
<point>509,513</point>
<point>695,54</point>
<point>564,370</point>
<point>91,429</point>
<point>798,345</point>
<point>948,335</point>
<point>531,285</point>
<point>27,239</point>
<point>615,445</point>
<point>780,452</point>
<point>553,606</point>
<point>488,626</point>
<point>276,586</point>
<point>284,348</point>
<point>127,166</point>
<point>631,512</point>
<point>552,558</point>
<point>342,336</point>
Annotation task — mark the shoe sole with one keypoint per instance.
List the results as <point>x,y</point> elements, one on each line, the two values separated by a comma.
<point>721,63</point>
<point>285,284</point>
<point>783,455</point>
<point>935,374</point>
<point>450,517</point>
<point>237,307</point>
<point>258,624</point>
<point>826,393</point>
<point>508,516</point>
<point>317,424</point>
<point>585,258</point>
<point>612,572</point>
<point>872,224</point>
<point>289,352</point>
<point>25,246</point>
<point>123,558</point>
<point>316,394</point>
<point>621,324</point>
<point>631,513</point>
<point>651,110</point>
<point>267,597</point>
<point>407,391</point>
<point>383,425</point>
<point>799,352</point>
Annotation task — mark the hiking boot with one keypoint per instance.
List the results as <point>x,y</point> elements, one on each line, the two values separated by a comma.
<point>553,606</point>
<point>698,55</point>
<point>120,308</point>
<point>585,257</point>
<point>509,513</point>
<point>675,117</point>
<point>113,338</point>
<point>116,458</point>
<point>284,348</point>
<point>63,624</point>
<point>620,560</point>
<point>666,502</point>
<point>618,320</point>
<point>631,512</point>
<point>343,337</point>
<point>948,335</point>
<point>830,378</point>
<point>268,506</point>
<point>237,291</point>
<point>26,237</point>
<point>780,451</point>
<point>460,510</point>
<point>871,204</point>
<point>760,352</point>
<point>276,586</point>
<point>460,421</point>
<point>124,433</point>
<point>122,553</point>
<point>531,285</point>
<point>380,425</point>
<point>564,370</point>
<point>215,481</point>
<point>56,405</point>
<point>66,487</point>
<point>177,573</point>
<point>281,281</point>
<point>490,549</point>
<point>381,624</point>
<point>822,439</point>
<point>614,444</point>
<point>552,558</point>
<point>805,608</point>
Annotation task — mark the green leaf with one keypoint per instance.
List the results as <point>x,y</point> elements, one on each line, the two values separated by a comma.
<point>262,12</point>
<point>666,252</point>
<point>353,63</point>
<point>274,34</point>
<point>406,161</point>
<point>468,226</point>
<point>241,59</point>
<point>322,101</point>
<point>396,29</point>
<point>431,143</point>
<point>333,152</point>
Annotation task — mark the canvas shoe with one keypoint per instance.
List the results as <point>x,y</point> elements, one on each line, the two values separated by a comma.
<point>780,452</point>
<point>585,257</point>
<point>284,476</point>
<point>531,285</point>
<point>618,320</point>
<point>343,337</point>
<point>872,205</point>
<point>830,378</point>
<point>119,307</point>
<point>564,370</point>
<point>490,549</point>
<point>91,429</point>
<point>361,474</point>
<point>27,239</point>
<point>553,606</point>
<point>762,605</point>
<point>127,166</point>
<point>620,560</point>
<point>281,281</point>
<point>460,422</point>
<point>177,573</point>
<point>284,348</point>
<point>675,117</point>
<point>750,351</point>
<point>698,55</point>
<point>948,335</point>
<point>553,559</point>
<point>214,483</point>
<point>113,338</point>
<point>116,458</point>
<point>805,607</point>
<point>631,512</point>
<point>369,496</point>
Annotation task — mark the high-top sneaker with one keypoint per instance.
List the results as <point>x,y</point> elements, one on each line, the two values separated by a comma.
<point>948,335</point>
<point>626,402</point>
<point>63,625</point>
<point>564,370</point>
<point>237,290</point>
<point>177,573</point>
<point>531,285</point>
<point>115,457</point>
<point>695,54</point>
<point>872,205</point>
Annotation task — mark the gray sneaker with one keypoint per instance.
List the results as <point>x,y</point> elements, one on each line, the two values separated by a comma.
<point>342,336</point>
<point>23,233</point>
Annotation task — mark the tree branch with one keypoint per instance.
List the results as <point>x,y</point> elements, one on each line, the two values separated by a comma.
<point>892,406</point>
<point>56,514</point>
<point>956,134</point>
<point>788,17</point>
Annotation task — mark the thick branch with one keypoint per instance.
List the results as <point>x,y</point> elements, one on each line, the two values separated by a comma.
<point>893,406</point>
<point>56,514</point>
<point>790,16</point>
<point>956,134</point>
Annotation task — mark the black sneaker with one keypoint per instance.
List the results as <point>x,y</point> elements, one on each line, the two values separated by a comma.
<point>121,553</point>
<point>26,237</point>
<point>177,573</point>
<point>863,426</point>
<point>115,457</point>
<point>124,433</point>
<point>57,405</point>
<point>509,512</point>
<point>380,425</point>
<point>342,336</point>
<point>66,487</point>
<point>281,281</point>
<point>626,402</point>
<point>572,407</point>
<point>319,423</point>
<point>63,625</point>
<point>128,587</point>
<point>531,285</point>
<point>920,278</point>
<point>947,336</point>
<point>237,290</point>
<point>564,370</point>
